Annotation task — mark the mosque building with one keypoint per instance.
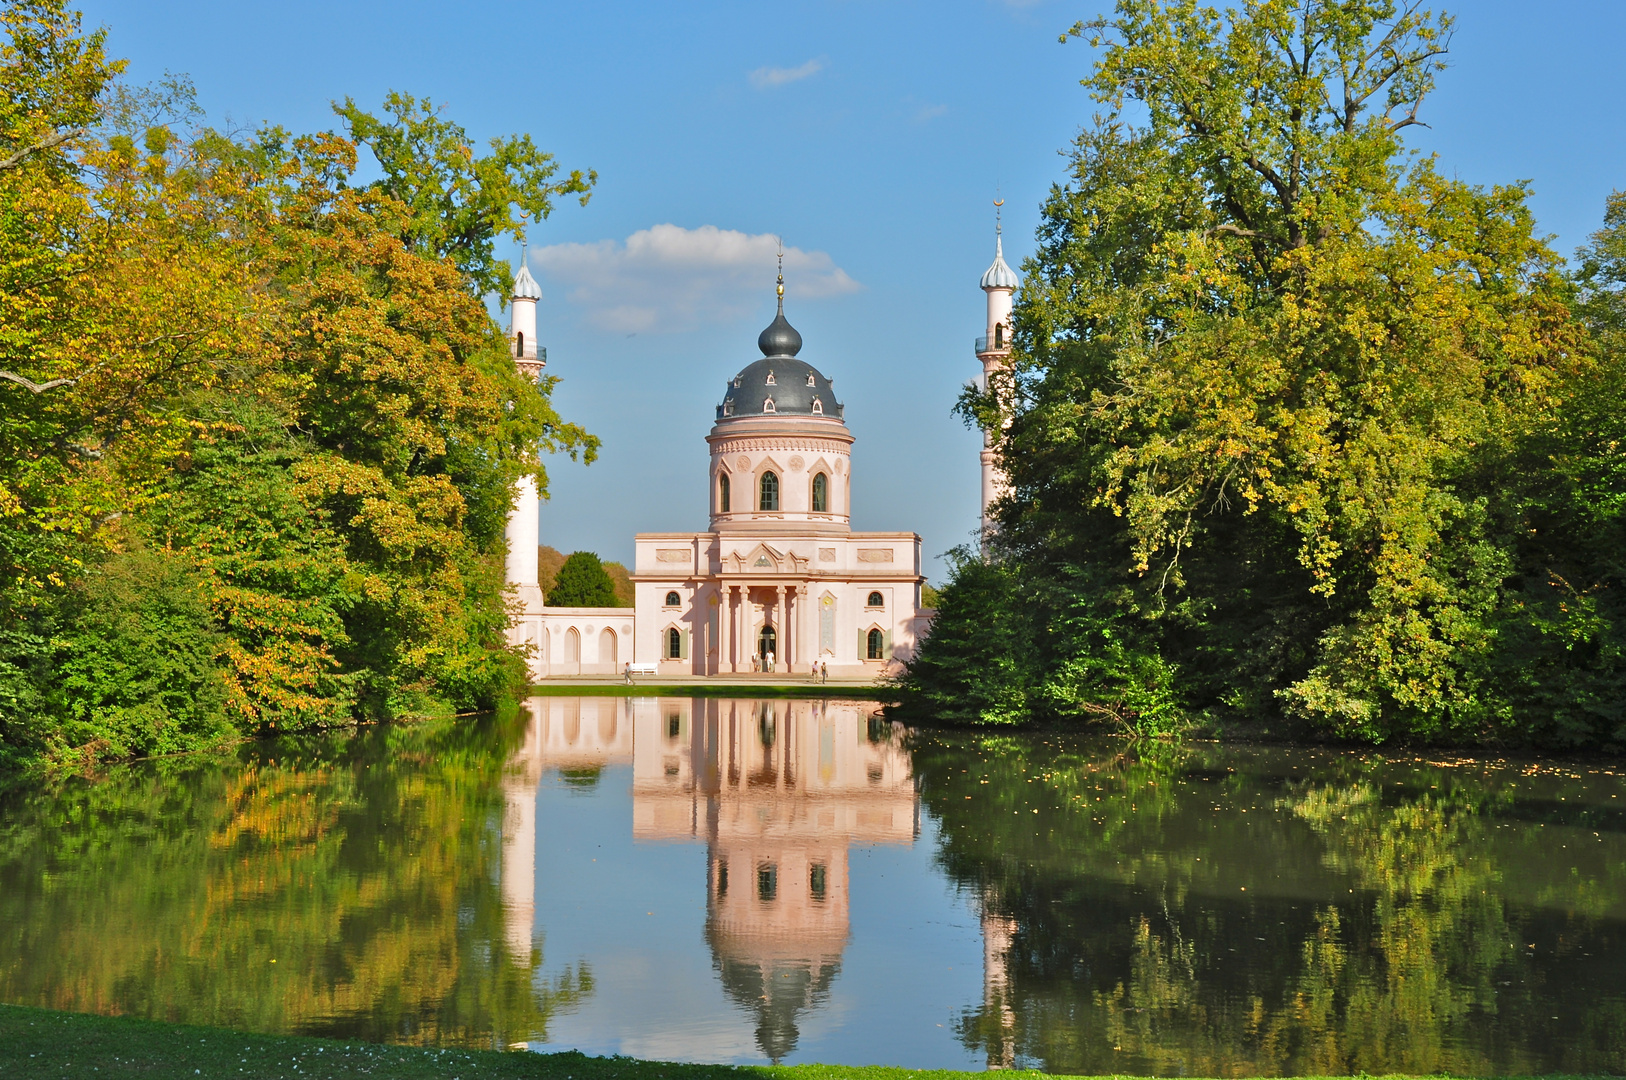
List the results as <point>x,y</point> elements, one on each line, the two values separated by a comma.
<point>779,582</point>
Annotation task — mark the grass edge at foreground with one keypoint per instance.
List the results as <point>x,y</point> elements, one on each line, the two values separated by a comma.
<point>44,1042</point>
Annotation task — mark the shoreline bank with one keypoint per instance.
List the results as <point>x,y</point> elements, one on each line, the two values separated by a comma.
<point>49,1043</point>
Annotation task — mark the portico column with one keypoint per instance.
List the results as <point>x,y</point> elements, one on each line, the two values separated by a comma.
<point>781,630</point>
<point>726,661</point>
<point>804,655</point>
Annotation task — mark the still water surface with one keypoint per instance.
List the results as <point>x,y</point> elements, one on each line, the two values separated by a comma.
<point>734,880</point>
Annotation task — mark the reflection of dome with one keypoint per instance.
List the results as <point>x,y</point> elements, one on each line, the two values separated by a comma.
<point>777,930</point>
<point>776,992</point>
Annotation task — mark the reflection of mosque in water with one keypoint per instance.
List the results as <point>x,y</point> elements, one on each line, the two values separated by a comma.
<point>777,790</point>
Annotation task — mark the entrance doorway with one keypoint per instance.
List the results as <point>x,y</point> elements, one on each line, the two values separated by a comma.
<point>767,642</point>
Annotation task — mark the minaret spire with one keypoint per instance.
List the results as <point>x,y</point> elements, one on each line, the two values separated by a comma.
<point>523,531</point>
<point>1000,283</point>
<point>780,287</point>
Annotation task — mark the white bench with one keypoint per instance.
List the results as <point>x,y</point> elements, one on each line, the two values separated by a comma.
<point>644,669</point>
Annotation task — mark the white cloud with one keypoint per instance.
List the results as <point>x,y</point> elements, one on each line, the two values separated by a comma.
<point>668,278</point>
<point>929,112</point>
<point>764,77</point>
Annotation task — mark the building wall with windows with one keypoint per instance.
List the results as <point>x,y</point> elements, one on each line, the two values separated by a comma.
<point>577,641</point>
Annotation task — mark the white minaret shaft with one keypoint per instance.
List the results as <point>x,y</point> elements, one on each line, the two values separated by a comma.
<point>524,526</point>
<point>994,350</point>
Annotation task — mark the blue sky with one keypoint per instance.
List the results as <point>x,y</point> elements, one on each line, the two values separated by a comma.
<point>871,136</point>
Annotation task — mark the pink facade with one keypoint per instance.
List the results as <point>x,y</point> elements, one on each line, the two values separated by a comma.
<point>715,603</point>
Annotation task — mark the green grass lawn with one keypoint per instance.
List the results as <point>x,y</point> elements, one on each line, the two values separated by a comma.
<point>43,1043</point>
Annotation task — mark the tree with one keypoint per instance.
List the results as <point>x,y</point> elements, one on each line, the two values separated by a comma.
<point>456,203</point>
<point>1269,372</point>
<point>259,434</point>
<point>582,582</point>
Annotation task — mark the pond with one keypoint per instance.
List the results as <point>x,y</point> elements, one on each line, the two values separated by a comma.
<point>740,880</point>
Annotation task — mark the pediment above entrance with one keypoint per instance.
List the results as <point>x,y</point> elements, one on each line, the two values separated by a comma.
<point>764,559</point>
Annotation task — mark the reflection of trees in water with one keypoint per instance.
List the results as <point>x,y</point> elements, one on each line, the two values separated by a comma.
<point>1184,911</point>
<point>342,887</point>
<point>585,777</point>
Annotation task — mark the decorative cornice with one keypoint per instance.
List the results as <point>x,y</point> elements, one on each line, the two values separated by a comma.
<point>727,445</point>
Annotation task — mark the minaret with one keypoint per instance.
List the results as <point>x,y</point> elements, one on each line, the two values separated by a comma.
<point>994,350</point>
<point>523,527</point>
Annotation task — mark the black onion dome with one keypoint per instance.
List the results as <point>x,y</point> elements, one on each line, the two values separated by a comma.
<point>779,384</point>
<point>780,338</point>
<point>795,388</point>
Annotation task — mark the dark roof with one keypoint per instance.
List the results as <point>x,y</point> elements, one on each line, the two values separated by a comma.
<point>794,386</point>
<point>780,338</point>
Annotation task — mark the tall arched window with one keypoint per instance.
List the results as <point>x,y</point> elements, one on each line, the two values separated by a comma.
<point>877,644</point>
<point>722,493</point>
<point>821,494</point>
<point>519,338</point>
<point>674,644</point>
<point>999,335</point>
<point>769,499</point>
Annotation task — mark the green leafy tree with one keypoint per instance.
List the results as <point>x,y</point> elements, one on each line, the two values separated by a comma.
<point>1561,625</point>
<point>224,364</point>
<point>458,203</point>
<point>582,582</point>
<point>1269,373</point>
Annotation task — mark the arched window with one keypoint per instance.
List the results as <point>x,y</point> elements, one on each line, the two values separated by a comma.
<point>877,644</point>
<point>674,643</point>
<point>876,600</point>
<point>821,494</point>
<point>999,335</point>
<point>769,499</point>
<point>673,599</point>
<point>722,493</point>
<point>519,338</point>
